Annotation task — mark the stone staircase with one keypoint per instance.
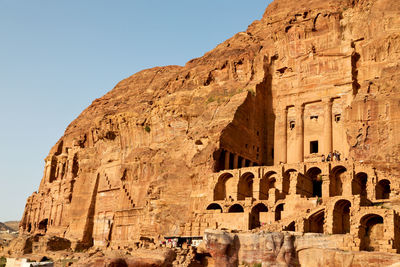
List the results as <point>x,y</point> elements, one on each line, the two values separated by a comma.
<point>128,195</point>
<point>108,182</point>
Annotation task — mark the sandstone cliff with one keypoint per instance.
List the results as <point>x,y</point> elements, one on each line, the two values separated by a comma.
<point>137,162</point>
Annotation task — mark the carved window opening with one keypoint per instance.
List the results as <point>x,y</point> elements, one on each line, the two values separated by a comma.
<point>383,189</point>
<point>338,117</point>
<point>313,147</point>
<point>43,225</point>
<point>314,117</point>
<point>278,212</point>
<point>291,227</point>
<point>292,124</point>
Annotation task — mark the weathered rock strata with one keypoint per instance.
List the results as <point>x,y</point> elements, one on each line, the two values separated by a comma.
<point>138,162</point>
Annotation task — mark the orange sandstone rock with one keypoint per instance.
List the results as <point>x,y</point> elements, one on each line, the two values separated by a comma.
<point>309,78</point>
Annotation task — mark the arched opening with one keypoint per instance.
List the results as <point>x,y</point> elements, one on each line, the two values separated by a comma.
<point>271,183</point>
<point>359,184</point>
<point>291,227</point>
<point>236,208</point>
<point>278,212</point>
<point>383,189</point>
<point>341,217</point>
<point>266,183</point>
<point>43,225</point>
<point>245,186</point>
<point>214,206</point>
<point>258,214</point>
<point>371,232</point>
<point>336,178</point>
<point>29,228</point>
<point>224,187</point>
<point>316,222</point>
<point>315,176</point>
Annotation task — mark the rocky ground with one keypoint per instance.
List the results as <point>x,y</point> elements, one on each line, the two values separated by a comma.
<point>224,249</point>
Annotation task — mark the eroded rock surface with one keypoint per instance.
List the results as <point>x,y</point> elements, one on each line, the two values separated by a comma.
<point>137,163</point>
<point>287,249</point>
<point>269,249</point>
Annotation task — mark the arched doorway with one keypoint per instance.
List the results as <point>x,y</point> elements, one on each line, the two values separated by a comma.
<point>266,183</point>
<point>214,206</point>
<point>224,187</point>
<point>245,186</point>
<point>383,189</point>
<point>278,212</point>
<point>316,222</point>
<point>255,215</point>
<point>314,174</point>
<point>236,208</point>
<point>291,227</point>
<point>359,184</point>
<point>29,227</point>
<point>341,217</point>
<point>371,232</point>
<point>336,179</point>
<point>43,225</point>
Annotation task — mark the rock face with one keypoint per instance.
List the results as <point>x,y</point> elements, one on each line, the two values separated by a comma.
<point>284,250</point>
<point>138,162</point>
<point>272,249</point>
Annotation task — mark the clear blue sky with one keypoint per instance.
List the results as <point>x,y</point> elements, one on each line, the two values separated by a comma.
<point>56,57</point>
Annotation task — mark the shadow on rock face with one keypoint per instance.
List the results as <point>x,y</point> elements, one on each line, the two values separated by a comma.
<point>118,263</point>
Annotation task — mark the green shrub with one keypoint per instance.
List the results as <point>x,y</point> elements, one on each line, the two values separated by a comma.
<point>147,128</point>
<point>3,262</point>
<point>210,99</point>
<point>251,91</point>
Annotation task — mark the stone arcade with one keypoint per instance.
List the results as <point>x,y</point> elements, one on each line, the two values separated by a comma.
<point>343,198</point>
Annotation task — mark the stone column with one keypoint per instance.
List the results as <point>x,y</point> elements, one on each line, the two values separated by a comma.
<point>371,184</point>
<point>327,126</point>
<point>347,183</point>
<point>243,162</point>
<point>227,155</point>
<point>299,127</point>
<point>280,144</point>
<point>47,170</point>
<point>235,161</point>
<point>256,188</point>
<point>294,176</point>
<point>325,185</point>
